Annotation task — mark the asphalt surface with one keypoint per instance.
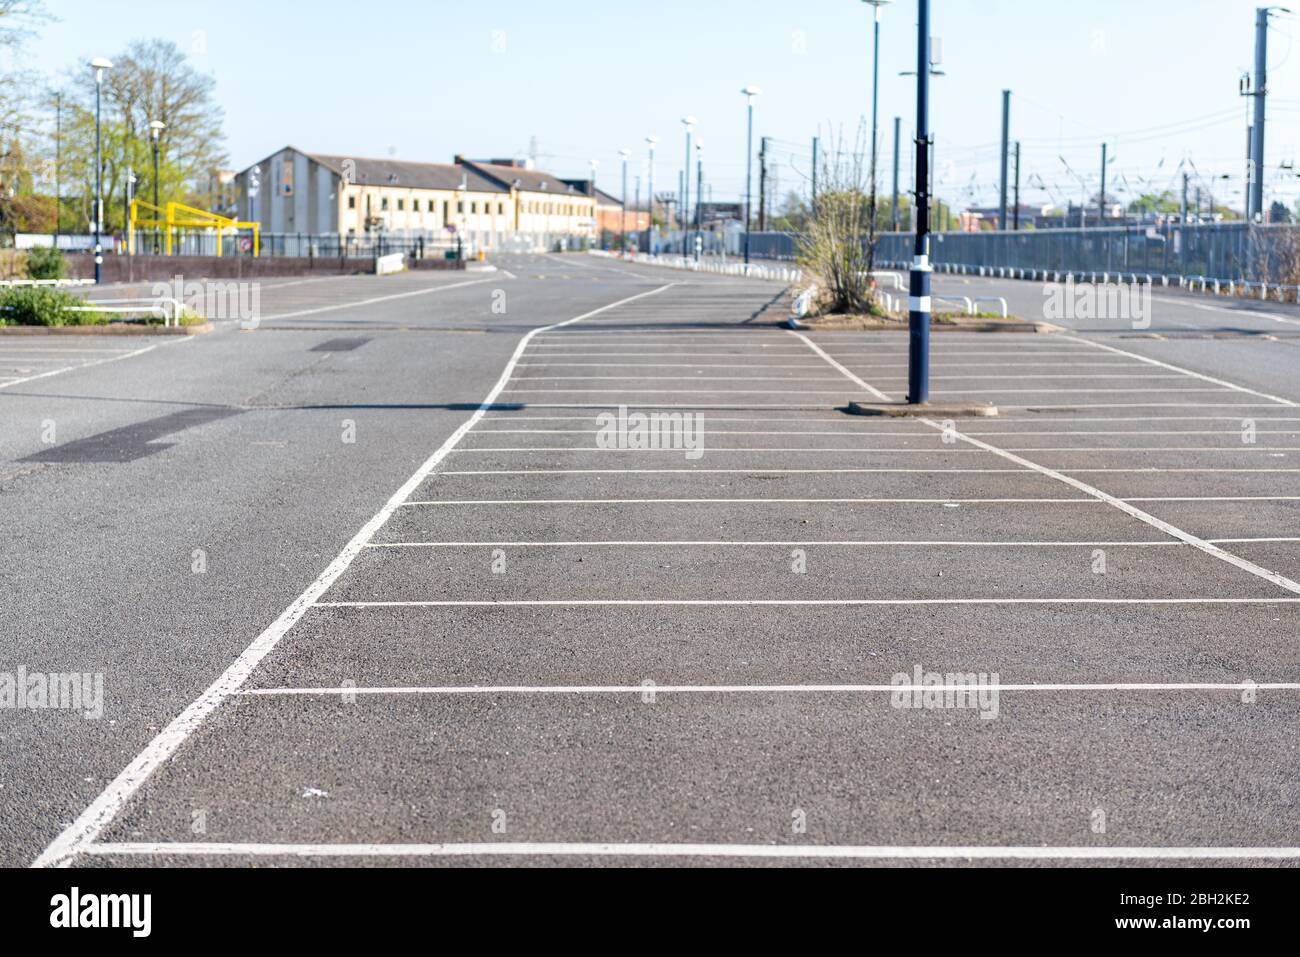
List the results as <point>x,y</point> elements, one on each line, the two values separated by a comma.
<point>542,649</point>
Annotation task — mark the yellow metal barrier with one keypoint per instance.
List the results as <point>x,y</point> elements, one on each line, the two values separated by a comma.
<point>179,216</point>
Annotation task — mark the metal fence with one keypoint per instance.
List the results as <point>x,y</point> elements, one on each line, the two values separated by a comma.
<point>1223,251</point>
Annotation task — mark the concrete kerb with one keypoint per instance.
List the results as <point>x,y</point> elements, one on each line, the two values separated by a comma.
<point>111,329</point>
<point>936,410</point>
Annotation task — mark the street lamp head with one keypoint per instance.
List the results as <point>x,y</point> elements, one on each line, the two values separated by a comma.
<point>750,92</point>
<point>688,122</point>
<point>625,153</point>
<point>99,65</point>
<point>652,140</point>
<point>156,128</point>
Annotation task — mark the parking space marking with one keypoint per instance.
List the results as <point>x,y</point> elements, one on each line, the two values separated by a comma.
<point>100,813</point>
<point>1196,375</point>
<point>793,602</point>
<point>770,851</point>
<point>812,543</point>
<point>759,689</point>
<point>376,299</point>
<point>96,362</point>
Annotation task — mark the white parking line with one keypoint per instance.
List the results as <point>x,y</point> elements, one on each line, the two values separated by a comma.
<point>807,543</point>
<point>874,450</point>
<point>795,603</point>
<point>368,302</point>
<point>1196,375</point>
<point>638,690</point>
<point>781,501</point>
<point>97,362</point>
<point>88,825</point>
<point>742,851</point>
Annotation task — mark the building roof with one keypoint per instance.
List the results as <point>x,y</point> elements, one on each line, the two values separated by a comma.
<point>399,173</point>
<point>529,180</point>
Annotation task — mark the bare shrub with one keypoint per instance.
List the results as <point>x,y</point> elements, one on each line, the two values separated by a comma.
<point>838,249</point>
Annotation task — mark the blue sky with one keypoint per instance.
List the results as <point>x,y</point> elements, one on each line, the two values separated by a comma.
<point>428,79</point>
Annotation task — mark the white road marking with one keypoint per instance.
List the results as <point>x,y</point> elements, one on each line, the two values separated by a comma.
<point>778,501</point>
<point>367,302</point>
<point>452,690</point>
<point>796,603</point>
<point>1210,549</point>
<point>97,362</point>
<point>87,827</point>
<point>771,851</point>
<point>1042,470</point>
<point>1237,313</point>
<point>1244,449</point>
<point>1188,372</point>
<point>802,543</point>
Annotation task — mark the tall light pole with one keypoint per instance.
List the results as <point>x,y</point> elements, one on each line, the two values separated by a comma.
<point>689,123</point>
<point>155,133</point>
<point>749,93</point>
<point>622,225</point>
<point>918,320</point>
<point>875,89</point>
<point>100,66</point>
<point>699,198</point>
<point>600,232</point>
<point>650,228</point>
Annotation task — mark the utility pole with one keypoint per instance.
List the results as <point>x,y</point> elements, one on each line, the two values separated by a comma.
<point>1101,220</point>
<point>1184,217</point>
<point>814,179</point>
<point>58,163</point>
<point>681,213</point>
<point>762,186</point>
<point>1015,216</point>
<point>1256,185</point>
<point>1006,138</point>
<point>918,319</point>
<point>699,201</point>
<point>898,129</point>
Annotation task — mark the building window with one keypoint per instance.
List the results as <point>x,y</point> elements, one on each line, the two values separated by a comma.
<point>460,206</point>
<point>473,208</point>
<point>383,203</point>
<point>430,205</point>
<point>352,202</point>
<point>501,209</point>
<point>401,205</point>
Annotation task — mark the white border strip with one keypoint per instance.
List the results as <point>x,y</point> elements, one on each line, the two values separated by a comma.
<point>87,827</point>
<point>452,690</point>
<point>778,851</point>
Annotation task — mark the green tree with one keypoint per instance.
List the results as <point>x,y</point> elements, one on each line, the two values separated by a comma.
<point>151,80</point>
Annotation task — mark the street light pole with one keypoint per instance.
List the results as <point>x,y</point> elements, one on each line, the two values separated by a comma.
<point>688,122</point>
<point>155,131</point>
<point>99,65</point>
<point>918,319</point>
<point>699,199</point>
<point>749,92</point>
<point>622,225</point>
<point>595,199</point>
<point>875,91</point>
<point>650,228</point>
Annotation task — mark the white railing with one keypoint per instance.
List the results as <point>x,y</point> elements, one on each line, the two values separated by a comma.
<point>9,283</point>
<point>149,307</point>
<point>720,268</point>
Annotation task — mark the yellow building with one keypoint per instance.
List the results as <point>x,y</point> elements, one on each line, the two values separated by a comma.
<point>488,205</point>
